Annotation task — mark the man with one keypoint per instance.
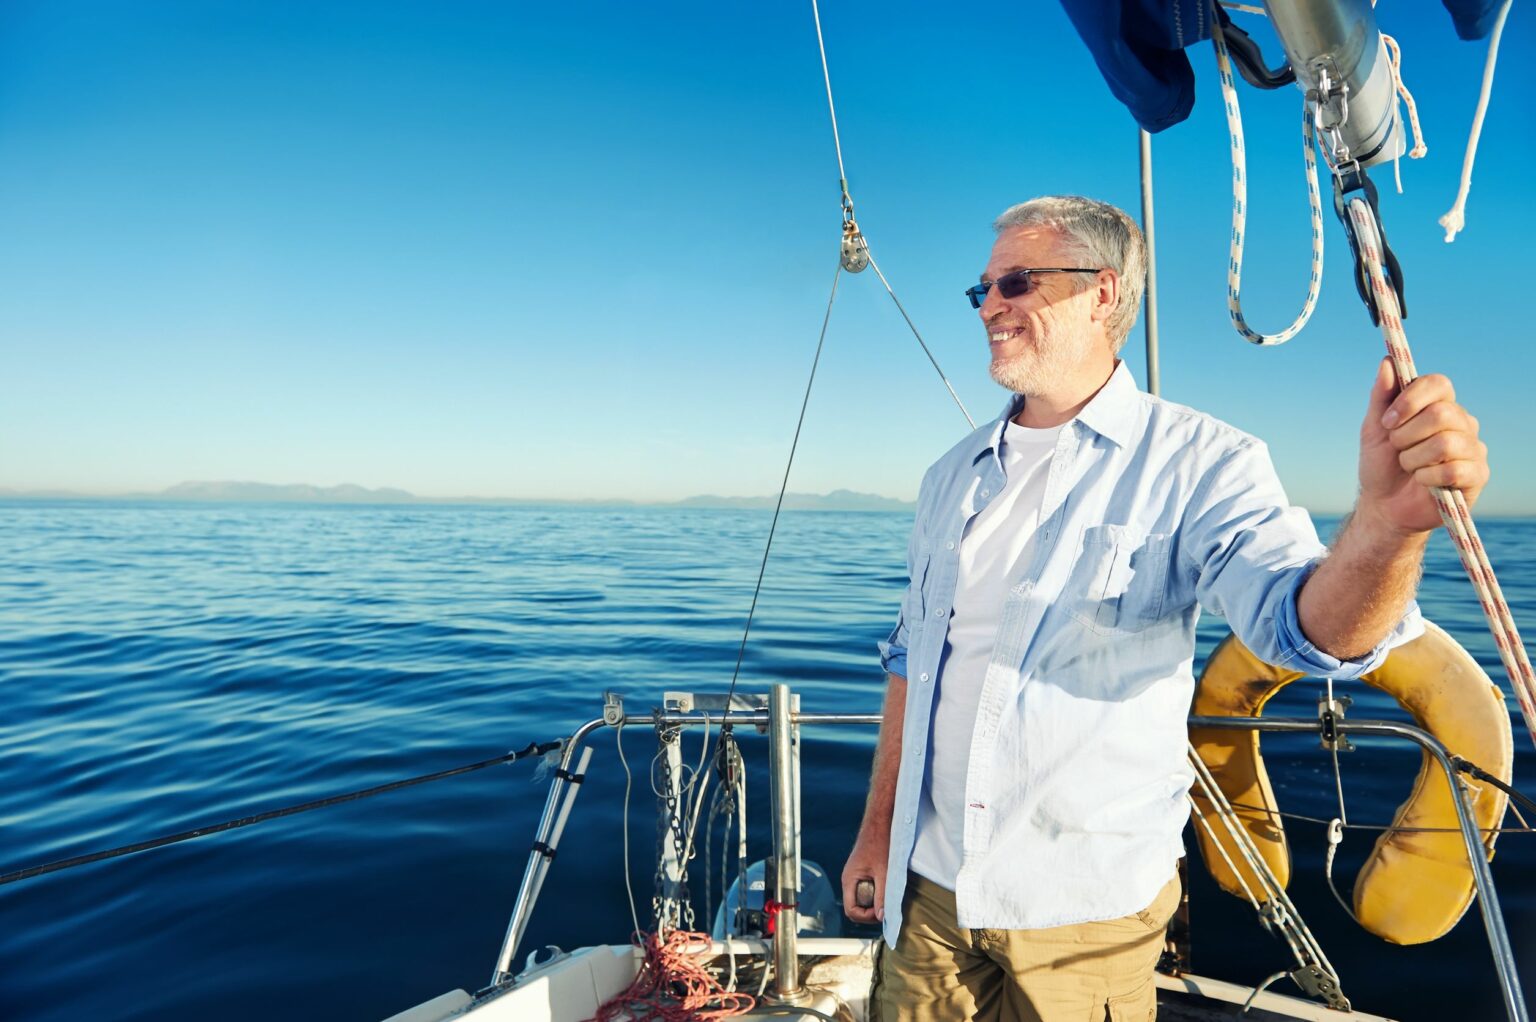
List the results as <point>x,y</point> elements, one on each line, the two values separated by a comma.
<point>1028,797</point>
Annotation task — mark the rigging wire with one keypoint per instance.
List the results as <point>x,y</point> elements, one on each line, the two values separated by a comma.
<point>1320,821</point>
<point>533,749</point>
<point>902,309</point>
<point>778,505</point>
<point>837,141</point>
<point>856,237</point>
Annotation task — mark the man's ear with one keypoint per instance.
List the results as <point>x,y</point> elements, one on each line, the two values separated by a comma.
<point>1106,295</point>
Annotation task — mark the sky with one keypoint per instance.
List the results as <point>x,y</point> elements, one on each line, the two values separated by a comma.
<point>583,251</point>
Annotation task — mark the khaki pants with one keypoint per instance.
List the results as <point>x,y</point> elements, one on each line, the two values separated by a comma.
<point>1089,972</point>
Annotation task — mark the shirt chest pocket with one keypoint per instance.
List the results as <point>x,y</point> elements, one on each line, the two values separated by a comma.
<point>1120,579</point>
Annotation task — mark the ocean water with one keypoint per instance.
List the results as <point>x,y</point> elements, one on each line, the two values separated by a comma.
<point>164,666</point>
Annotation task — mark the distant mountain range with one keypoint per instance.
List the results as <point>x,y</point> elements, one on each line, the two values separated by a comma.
<point>299,493</point>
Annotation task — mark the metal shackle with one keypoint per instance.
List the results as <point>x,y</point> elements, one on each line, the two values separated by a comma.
<point>1340,62</point>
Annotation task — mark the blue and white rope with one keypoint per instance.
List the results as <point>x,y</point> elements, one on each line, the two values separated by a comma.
<point>1240,209</point>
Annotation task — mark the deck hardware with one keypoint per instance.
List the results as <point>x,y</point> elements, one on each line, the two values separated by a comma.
<point>854,251</point>
<point>1330,711</point>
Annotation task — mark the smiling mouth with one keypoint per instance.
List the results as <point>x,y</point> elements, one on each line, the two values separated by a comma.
<point>1002,336</point>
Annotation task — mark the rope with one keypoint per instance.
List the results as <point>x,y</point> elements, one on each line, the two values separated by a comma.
<point>1395,62</point>
<point>673,985</point>
<point>1240,208</point>
<point>1455,218</point>
<point>629,889</point>
<point>1259,990</point>
<point>1451,503</point>
<point>533,749</point>
<point>1336,838</point>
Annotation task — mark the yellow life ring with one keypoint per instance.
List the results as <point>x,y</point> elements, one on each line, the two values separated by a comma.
<point>1417,882</point>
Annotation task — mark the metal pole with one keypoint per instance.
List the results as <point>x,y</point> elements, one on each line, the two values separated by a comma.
<point>1149,230</point>
<point>786,844</point>
<point>541,866</point>
<point>1482,876</point>
<point>522,908</point>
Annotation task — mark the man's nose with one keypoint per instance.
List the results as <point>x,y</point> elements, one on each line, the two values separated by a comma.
<point>993,304</point>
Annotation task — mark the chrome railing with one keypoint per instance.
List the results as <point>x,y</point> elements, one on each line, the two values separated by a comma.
<point>783,752</point>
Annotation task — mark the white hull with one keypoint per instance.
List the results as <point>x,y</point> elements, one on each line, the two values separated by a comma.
<point>834,971</point>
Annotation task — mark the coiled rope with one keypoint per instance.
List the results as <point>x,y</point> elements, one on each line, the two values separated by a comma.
<point>1451,502</point>
<point>1240,208</point>
<point>673,985</point>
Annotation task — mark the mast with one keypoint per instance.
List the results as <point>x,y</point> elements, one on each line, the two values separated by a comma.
<point>1148,229</point>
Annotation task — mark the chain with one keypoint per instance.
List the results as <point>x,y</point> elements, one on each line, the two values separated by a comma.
<point>673,909</point>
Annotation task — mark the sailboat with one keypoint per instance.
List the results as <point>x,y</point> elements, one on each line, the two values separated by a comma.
<point>775,946</point>
<point>806,965</point>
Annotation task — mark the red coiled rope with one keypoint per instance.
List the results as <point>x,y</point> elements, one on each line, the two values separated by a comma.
<point>673,985</point>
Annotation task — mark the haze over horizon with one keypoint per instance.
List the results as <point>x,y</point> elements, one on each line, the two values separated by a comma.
<point>584,253</point>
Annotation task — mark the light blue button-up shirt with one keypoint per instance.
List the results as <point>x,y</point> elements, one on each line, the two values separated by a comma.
<point>1076,781</point>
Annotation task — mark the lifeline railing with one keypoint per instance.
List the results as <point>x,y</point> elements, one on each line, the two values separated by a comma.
<point>782,725</point>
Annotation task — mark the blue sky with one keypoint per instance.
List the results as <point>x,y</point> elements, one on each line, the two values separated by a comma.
<point>568,252</point>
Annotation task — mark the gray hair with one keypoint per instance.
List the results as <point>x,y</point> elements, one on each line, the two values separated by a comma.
<point>1098,234</point>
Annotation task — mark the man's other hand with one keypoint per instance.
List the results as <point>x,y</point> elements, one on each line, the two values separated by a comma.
<point>1412,440</point>
<point>867,861</point>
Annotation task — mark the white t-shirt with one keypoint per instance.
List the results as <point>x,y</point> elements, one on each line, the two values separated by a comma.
<point>997,545</point>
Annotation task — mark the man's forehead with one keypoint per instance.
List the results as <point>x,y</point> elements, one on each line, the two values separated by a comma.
<point>1019,248</point>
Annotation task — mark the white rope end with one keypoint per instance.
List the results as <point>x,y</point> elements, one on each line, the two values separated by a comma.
<point>1454,222</point>
<point>1418,152</point>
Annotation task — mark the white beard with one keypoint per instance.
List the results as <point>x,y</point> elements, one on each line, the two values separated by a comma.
<point>1041,368</point>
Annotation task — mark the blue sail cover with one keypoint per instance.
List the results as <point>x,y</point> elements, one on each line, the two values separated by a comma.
<point>1139,48</point>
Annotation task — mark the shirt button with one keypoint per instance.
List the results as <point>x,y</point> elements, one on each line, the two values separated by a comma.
<point>938,612</point>
<point>923,676</point>
<point>986,493</point>
<point>950,545</point>
<point>907,818</point>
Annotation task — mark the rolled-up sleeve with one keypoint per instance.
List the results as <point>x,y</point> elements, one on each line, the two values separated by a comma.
<point>1252,551</point>
<point>893,651</point>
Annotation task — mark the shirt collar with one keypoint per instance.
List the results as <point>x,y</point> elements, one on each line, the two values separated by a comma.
<point>1110,413</point>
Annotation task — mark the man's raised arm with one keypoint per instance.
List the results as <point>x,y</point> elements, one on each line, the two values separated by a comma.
<point>1409,442</point>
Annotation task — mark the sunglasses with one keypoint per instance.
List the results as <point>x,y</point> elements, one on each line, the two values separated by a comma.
<point>1015,284</point>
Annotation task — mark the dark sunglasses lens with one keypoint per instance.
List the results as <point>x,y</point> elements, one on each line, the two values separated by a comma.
<point>1013,285</point>
<point>977,294</point>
